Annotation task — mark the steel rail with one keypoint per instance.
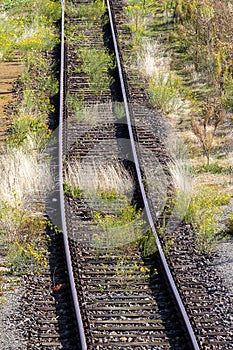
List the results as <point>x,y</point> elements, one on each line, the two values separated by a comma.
<point>142,189</point>
<point>61,191</point>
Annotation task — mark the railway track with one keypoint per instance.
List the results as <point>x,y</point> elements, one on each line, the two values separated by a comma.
<point>121,291</point>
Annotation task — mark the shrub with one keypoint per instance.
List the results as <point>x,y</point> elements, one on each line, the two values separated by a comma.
<point>74,104</point>
<point>164,92</point>
<point>214,168</point>
<point>37,39</point>
<point>22,258</point>
<point>72,190</point>
<point>229,224</point>
<point>29,132</point>
<point>203,212</point>
<point>212,116</point>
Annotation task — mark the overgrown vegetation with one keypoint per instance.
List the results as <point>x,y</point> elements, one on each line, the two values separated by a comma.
<point>94,63</point>
<point>99,180</point>
<point>205,130</point>
<point>118,230</point>
<point>28,35</point>
<point>204,212</point>
<point>183,52</point>
<point>91,12</point>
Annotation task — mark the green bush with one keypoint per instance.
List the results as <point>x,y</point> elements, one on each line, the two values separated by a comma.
<point>72,190</point>
<point>214,168</point>
<point>203,212</point>
<point>74,104</point>
<point>164,92</point>
<point>25,258</point>
<point>29,132</point>
<point>229,224</point>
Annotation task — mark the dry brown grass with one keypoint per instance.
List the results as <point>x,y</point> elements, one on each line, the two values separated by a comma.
<point>23,178</point>
<point>93,178</point>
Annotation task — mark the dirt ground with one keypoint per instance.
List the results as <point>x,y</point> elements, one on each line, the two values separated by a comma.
<point>9,73</point>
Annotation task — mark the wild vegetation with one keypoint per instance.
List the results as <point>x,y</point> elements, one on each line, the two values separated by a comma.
<point>94,63</point>
<point>28,35</point>
<point>183,52</point>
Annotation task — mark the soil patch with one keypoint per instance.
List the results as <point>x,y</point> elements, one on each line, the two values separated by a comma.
<point>9,73</point>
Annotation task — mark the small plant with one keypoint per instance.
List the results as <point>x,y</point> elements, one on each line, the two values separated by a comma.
<point>147,244</point>
<point>74,104</point>
<point>212,115</point>
<point>109,196</point>
<point>168,244</point>
<point>119,230</point>
<point>229,224</point>
<point>213,168</point>
<point>22,258</point>
<point>137,12</point>
<point>164,92</point>
<point>203,212</point>
<point>96,63</point>
<point>28,132</point>
<point>72,190</point>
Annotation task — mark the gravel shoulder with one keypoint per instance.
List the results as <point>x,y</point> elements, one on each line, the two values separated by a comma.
<point>10,337</point>
<point>223,262</point>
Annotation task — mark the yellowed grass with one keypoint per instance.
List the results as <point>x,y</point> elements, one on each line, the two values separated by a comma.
<point>93,178</point>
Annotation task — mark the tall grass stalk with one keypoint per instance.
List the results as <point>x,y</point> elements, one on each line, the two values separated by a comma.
<point>164,85</point>
<point>94,178</point>
<point>24,178</point>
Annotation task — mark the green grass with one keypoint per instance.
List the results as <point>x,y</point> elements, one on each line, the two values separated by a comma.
<point>203,212</point>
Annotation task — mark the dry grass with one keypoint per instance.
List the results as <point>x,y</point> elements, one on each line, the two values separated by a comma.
<point>94,178</point>
<point>23,178</point>
<point>151,59</point>
<point>183,183</point>
<point>164,84</point>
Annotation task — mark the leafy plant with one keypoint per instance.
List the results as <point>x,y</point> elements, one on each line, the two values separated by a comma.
<point>213,168</point>
<point>21,258</point>
<point>96,63</point>
<point>109,196</point>
<point>72,190</point>
<point>29,132</point>
<point>229,223</point>
<point>73,103</point>
<point>164,92</point>
<point>119,230</point>
<point>147,244</point>
<point>203,212</point>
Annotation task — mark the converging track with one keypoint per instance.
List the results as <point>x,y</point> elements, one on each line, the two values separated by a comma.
<point>113,175</point>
